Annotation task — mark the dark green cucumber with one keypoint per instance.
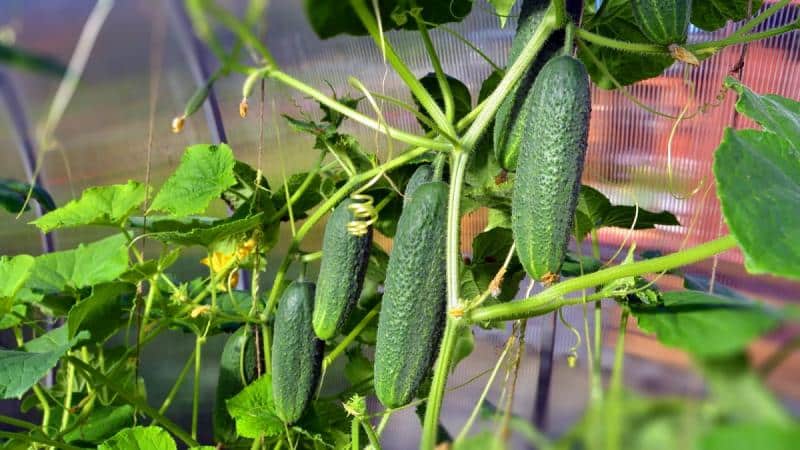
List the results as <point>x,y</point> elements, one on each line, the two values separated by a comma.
<point>550,165</point>
<point>296,352</point>
<point>414,299</point>
<point>236,369</point>
<point>663,21</point>
<point>506,137</point>
<point>423,174</point>
<point>341,274</point>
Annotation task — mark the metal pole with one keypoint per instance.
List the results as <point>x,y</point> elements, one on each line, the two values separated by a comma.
<point>25,146</point>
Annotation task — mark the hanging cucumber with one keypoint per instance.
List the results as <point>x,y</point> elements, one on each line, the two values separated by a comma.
<point>341,274</point>
<point>296,352</point>
<point>414,300</point>
<point>423,174</point>
<point>550,165</point>
<point>236,369</point>
<point>507,137</point>
<point>663,21</point>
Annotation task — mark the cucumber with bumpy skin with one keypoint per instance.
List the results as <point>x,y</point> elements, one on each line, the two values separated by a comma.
<point>507,138</point>
<point>296,352</point>
<point>423,174</point>
<point>341,273</point>
<point>663,21</point>
<point>413,311</point>
<point>550,166</point>
<point>236,369</point>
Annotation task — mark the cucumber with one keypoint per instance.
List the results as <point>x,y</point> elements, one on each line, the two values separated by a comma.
<point>296,352</point>
<point>663,21</point>
<point>550,166</point>
<point>423,174</point>
<point>507,139</point>
<point>414,300</point>
<point>233,365</point>
<point>341,274</point>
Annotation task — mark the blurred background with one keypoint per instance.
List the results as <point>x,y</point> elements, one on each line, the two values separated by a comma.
<point>103,137</point>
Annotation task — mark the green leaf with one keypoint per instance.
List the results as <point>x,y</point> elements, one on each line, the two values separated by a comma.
<point>358,368</point>
<point>207,235</point>
<point>310,198</point>
<point>14,272</point>
<point>702,324</point>
<point>140,438</point>
<point>595,211</point>
<point>758,184</point>
<point>462,101</point>
<point>253,410</point>
<point>102,205</point>
<point>24,59</point>
<point>503,9</point>
<point>102,423</point>
<point>87,265</point>
<point>711,15</point>
<point>749,436</point>
<point>779,115</point>
<point>465,344</point>
<point>204,173</point>
<point>101,313</point>
<point>616,21</point>
<point>19,370</point>
<point>739,393</point>
<point>331,17</point>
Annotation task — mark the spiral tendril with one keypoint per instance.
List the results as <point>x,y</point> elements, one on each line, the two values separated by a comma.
<point>364,214</point>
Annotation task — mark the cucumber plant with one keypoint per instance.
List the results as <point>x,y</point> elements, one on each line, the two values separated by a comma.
<point>397,323</point>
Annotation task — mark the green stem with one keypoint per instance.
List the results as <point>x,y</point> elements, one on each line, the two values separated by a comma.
<point>597,365</point>
<point>175,387</point>
<point>408,107</point>
<point>45,405</point>
<point>471,420</point>
<point>754,22</point>
<point>351,336</point>
<point>458,169</point>
<point>36,439</point>
<point>614,412</point>
<point>436,395</point>
<point>298,192</point>
<point>560,9</point>
<point>69,383</point>
<point>239,29</point>
<point>513,74</point>
<point>553,298</point>
<point>711,47</point>
<point>374,442</point>
<point>355,433</point>
<point>417,89</point>
<point>444,85</point>
<point>469,44</point>
<point>124,393</point>
<point>625,46</point>
<point>17,423</point>
<point>198,359</point>
<point>402,136</point>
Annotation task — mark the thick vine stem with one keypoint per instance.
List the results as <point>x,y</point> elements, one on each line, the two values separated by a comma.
<point>553,298</point>
<point>439,383</point>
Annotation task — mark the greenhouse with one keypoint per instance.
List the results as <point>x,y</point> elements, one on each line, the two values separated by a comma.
<point>400,224</point>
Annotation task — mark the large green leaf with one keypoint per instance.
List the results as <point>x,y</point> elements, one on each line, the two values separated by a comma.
<point>750,436</point>
<point>758,184</point>
<point>14,272</point>
<point>702,324</point>
<point>87,265</point>
<point>204,173</point>
<point>462,101</point>
<point>615,20</point>
<point>739,393</point>
<point>595,211</point>
<point>332,17</point>
<point>102,312</point>
<point>102,205</point>
<point>711,15</point>
<point>140,438</point>
<point>779,115</point>
<point>207,235</point>
<point>13,193</point>
<point>19,370</point>
<point>253,410</point>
